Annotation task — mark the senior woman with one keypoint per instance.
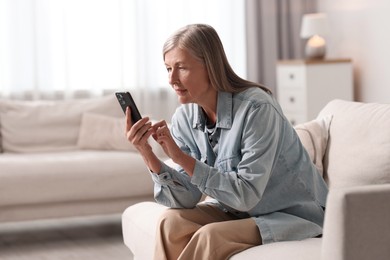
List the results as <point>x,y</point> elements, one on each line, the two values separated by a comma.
<point>231,142</point>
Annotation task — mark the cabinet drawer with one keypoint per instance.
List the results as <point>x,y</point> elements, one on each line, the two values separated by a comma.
<point>292,100</point>
<point>293,77</point>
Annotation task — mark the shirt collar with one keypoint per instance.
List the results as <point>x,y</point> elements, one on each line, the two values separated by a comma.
<point>224,112</point>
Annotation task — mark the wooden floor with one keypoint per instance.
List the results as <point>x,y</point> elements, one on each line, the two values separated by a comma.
<point>97,238</point>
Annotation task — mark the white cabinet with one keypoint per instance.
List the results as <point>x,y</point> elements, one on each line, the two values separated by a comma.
<point>304,87</point>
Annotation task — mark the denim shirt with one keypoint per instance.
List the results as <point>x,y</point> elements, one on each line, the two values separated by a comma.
<point>261,169</point>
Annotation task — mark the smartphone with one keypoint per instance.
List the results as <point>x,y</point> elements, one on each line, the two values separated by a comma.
<point>126,100</point>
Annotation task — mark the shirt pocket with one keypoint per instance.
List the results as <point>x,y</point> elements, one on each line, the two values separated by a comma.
<point>229,164</point>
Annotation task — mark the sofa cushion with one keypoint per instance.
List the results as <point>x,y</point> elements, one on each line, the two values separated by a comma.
<point>139,223</point>
<point>100,132</point>
<point>359,144</point>
<point>72,176</point>
<point>41,126</point>
<point>307,249</point>
<point>314,137</point>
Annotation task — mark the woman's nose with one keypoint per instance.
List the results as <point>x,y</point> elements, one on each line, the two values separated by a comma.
<point>172,76</point>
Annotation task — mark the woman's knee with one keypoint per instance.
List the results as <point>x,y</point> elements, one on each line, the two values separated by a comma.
<point>170,218</point>
<point>208,232</point>
<point>239,230</point>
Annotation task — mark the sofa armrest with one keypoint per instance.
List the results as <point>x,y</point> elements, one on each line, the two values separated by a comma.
<point>357,223</point>
<point>139,223</point>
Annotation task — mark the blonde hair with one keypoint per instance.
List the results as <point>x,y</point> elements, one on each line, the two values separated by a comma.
<point>203,42</point>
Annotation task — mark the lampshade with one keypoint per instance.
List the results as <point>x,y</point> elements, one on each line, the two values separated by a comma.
<point>314,24</point>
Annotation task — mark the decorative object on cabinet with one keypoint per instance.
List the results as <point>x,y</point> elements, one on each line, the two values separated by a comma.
<point>314,27</point>
<point>305,86</point>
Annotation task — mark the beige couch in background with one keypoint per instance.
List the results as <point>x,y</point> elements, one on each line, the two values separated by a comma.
<point>353,149</point>
<point>67,158</point>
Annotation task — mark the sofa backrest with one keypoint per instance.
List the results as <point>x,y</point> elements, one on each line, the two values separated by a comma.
<point>358,151</point>
<point>41,126</point>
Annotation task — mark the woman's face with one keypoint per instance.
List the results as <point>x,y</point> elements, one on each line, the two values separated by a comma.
<point>188,77</point>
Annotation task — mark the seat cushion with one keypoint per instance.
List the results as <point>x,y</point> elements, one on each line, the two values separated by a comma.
<point>359,144</point>
<point>72,176</point>
<point>139,223</point>
<point>307,249</point>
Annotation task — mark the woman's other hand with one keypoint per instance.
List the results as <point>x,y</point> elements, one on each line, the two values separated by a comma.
<point>163,136</point>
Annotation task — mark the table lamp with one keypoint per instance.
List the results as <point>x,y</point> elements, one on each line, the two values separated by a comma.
<point>314,27</point>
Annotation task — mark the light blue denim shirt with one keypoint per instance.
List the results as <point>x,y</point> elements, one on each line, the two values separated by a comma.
<point>261,169</point>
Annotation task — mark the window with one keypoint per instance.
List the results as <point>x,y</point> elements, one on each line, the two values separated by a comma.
<point>97,45</point>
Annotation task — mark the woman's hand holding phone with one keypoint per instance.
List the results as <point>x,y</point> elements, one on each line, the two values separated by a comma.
<point>138,135</point>
<point>139,132</point>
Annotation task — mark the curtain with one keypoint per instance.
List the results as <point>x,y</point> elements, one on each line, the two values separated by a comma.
<point>59,49</point>
<point>273,29</point>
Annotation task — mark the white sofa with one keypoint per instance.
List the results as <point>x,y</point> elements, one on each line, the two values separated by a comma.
<point>67,158</point>
<point>354,152</point>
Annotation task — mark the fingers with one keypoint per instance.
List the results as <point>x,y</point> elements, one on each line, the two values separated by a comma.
<point>160,124</point>
<point>138,133</point>
<point>141,139</point>
<point>139,129</point>
<point>128,119</point>
<point>161,129</point>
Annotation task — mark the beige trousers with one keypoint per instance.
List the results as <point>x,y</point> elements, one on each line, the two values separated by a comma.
<point>203,233</point>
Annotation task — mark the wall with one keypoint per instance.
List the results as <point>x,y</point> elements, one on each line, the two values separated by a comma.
<point>360,30</point>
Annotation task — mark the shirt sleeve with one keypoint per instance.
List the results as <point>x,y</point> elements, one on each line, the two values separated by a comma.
<point>243,187</point>
<point>172,185</point>
<point>174,189</point>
